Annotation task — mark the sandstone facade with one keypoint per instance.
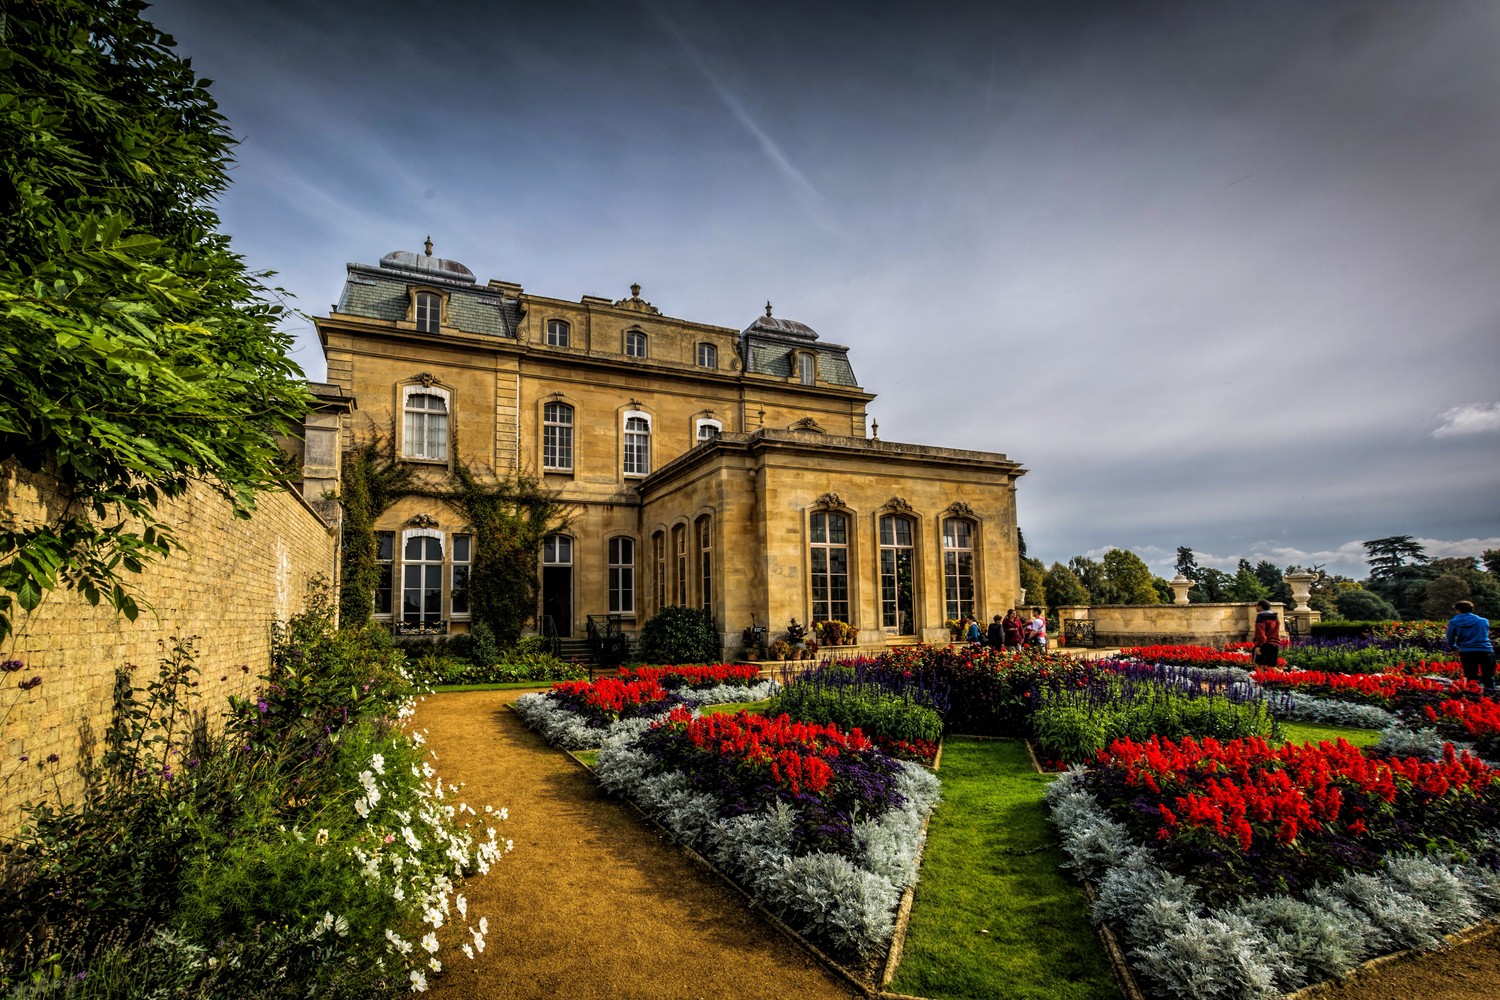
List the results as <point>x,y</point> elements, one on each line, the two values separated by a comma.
<point>704,465</point>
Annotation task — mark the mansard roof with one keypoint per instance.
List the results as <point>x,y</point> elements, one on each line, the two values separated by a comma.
<point>380,292</point>
<point>770,343</point>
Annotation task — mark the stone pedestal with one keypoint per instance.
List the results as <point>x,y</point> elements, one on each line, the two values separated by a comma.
<point>1180,586</point>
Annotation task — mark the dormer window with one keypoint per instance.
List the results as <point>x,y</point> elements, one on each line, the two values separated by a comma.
<point>557,333</point>
<point>708,356</point>
<point>635,344</point>
<point>428,311</point>
<point>805,369</point>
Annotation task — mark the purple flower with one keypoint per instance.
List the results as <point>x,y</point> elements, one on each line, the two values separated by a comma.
<point>11,666</point>
<point>34,682</point>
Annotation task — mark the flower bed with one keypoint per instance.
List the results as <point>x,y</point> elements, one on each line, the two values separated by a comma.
<point>1473,720</point>
<point>1190,656</point>
<point>816,823</point>
<point>674,677</point>
<point>1390,691</point>
<point>577,715</point>
<point>1369,655</point>
<point>1243,870</point>
<point>897,712</point>
<point>1080,712</point>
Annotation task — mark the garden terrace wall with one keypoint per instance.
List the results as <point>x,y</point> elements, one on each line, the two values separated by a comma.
<point>1150,624</point>
<point>232,580</point>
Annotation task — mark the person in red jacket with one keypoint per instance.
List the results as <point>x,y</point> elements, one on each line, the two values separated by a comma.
<point>1267,636</point>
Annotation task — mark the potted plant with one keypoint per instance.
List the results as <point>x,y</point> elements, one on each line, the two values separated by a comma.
<point>750,641</point>
<point>780,649</point>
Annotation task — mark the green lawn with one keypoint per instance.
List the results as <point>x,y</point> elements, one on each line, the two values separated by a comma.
<point>1309,732</point>
<point>753,707</point>
<point>994,914</point>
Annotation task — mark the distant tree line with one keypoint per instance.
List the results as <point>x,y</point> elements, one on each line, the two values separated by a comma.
<point>1403,582</point>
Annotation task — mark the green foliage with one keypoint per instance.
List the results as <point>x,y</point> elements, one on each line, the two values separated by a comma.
<point>1077,729</point>
<point>881,715</point>
<point>678,634</point>
<point>1441,594</point>
<point>371,482</point>
<point>510,517</point>
<point>1034,580</point>
<point>483,649</point>
<point>1064,588</point>
<point>1246,585</point>
<point>137,355</point>
<point>1212,586</point>
<point>1363,605</point>
<point>216,866</point>
<point>1129,578</point>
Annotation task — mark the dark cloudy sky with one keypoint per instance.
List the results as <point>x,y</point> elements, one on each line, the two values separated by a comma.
<point>1222,274</point>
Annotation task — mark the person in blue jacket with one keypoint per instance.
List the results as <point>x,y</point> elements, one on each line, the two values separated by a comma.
<point>1470,635</point>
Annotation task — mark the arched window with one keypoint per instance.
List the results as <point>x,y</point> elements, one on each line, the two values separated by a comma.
<point>622,576</point>
<point>557,436</point>
<point>635,344</point>
<point>428,311</point>
<point>706,562</point>
<point>708,356</point>
<point>829,561</point>
<point>637,444</point>
<point>425,428</point>
<point>958,568</point>
<point>897,597</point>
<point>679,552</point>
<point>707,429</point>
<point>422,578</point>
<point>659,564</point>
<point>805,369</point>
<point>558,334</point>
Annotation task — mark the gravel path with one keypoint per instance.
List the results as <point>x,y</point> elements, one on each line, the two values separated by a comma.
<point>591,903</point>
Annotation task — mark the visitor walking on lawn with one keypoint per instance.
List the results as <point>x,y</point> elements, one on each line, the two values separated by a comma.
<point>1267,636</point>
<point>1470,635</point>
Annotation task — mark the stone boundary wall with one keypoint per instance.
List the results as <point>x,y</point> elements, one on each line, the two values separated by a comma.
<point>1172,624</point>
<point>232,580</point>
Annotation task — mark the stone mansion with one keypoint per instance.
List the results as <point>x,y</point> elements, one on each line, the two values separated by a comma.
<point>725,469</point>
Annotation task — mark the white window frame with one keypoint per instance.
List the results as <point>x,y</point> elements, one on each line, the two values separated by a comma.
<point>821,569</point>
<point>704,423</point>
<point>641,466</point>
<point>427,311</point>
<point>708,356</point>
<point>406,536</point>
<point>807,368</point>
<point>407,444</point>
<point>637,344</point>
<point>954,606</point>
<point>557,437</point>
<point>559,333</point>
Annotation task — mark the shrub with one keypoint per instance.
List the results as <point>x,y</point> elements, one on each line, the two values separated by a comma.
<point>837,696</point>
<point>1364,605</point>
<point>679,635</point>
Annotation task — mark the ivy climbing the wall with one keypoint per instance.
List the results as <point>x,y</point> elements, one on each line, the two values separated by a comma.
<point>508,516</point>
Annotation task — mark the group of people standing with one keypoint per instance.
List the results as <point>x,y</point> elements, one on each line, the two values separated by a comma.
<point>1010,632</point>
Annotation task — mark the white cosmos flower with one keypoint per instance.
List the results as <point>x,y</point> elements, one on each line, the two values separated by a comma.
<point>362,807</point>
<point>430,942</point>
<point>418,981</point>
<point>463,905</point>
<point>377,764</point>
<point>434,965</point>
<point>469,950</point>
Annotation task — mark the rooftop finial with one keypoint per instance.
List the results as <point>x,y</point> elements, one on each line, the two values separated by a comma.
<point>768,307</point>
<point>635,289</point>
<point>428,244</point>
